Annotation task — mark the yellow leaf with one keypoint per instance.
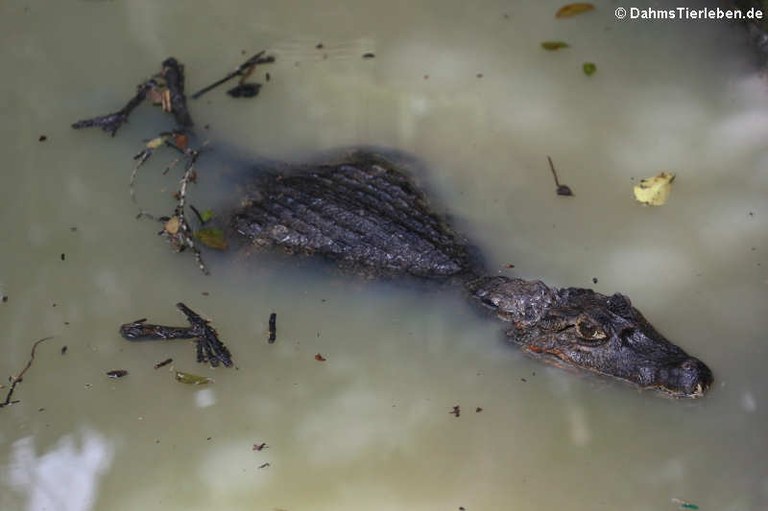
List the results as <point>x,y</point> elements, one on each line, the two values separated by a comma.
<point>570,10</point>
<point>156,142</point>
<point>172,225</point>
<point>654,191</point>
<point>192,379</point>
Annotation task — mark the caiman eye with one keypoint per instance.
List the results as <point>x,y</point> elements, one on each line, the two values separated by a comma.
<point>590,331</point>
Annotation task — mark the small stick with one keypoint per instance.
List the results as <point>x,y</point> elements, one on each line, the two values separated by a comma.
<point>15,380</point>
<point>197,214</point>
<point>561,189</point>
<point>173,72</point>
<point>272,328</point>
<point>243,70</point>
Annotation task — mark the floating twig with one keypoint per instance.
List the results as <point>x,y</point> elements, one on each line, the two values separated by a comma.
<point>272,328</point>
<point>15,380</point>
<point>561,189</point>
<point>243,71</point>
<point>163,363</point>
<point>183,236</point>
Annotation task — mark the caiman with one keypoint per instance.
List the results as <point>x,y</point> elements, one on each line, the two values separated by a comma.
<point>366,214</point>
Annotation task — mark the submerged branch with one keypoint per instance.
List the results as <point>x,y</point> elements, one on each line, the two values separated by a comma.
<point>110,123</point>
<point>209,348</point>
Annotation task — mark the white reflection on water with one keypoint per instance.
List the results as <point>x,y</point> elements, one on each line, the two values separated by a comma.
<point>65,478</point>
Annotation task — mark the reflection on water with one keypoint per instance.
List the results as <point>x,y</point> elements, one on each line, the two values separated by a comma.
<point>65,477</point>
<point>466,89</point>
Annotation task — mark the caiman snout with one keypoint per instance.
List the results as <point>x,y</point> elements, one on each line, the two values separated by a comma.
<point>690,378</point>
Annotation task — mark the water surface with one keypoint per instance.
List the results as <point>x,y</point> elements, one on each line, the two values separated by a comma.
<point>467,90</point>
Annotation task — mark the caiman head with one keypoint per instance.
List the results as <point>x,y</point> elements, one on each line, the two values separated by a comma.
<point>582,329</point>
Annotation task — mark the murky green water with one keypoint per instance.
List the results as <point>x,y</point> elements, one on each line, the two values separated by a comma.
<point>465,87</point>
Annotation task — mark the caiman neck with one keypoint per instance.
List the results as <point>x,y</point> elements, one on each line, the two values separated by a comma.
<point>521,302</point>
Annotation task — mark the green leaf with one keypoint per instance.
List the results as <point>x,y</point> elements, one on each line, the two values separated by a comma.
<point>589,68</point>
<point>212,237</point>
<point>206,215</point>
<point>192,379</point>
<point>554,45</point>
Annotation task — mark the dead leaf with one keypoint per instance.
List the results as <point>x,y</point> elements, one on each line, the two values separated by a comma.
<point>570,10</point>
<point>212,237</point>
<point>654,191</point>
<point>172,225</point>
<point>181,141</point>
<point>554,45</point>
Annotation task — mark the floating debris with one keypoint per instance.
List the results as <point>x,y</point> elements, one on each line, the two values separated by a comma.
<point>272,328</point>
<point>64,349</point>
<point>15,380</point>
<point>245,90</point>
<point>554,45</point>
<point>564,190</point>
<point>654,191</point>
<point>191,379</point>
<point>368,55</point>
<point>684,504</point>
<point>117,373</point>
<point>570,10</point>
<point>589,68</point>
<point>320,358</point>
<point>212,237</point>
<point>456,411</point>
<point>244,70</point>
<point>259,447</point>
<point>163,363</point>
<point>265,465</point>
<point>42,138</point>
<point>209,347</point>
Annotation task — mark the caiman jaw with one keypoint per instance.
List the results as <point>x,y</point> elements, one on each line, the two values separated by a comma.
<point>690,379</point>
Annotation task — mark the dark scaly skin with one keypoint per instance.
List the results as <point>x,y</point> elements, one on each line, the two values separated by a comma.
<point>367,216</point>
<point>363,214</point>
